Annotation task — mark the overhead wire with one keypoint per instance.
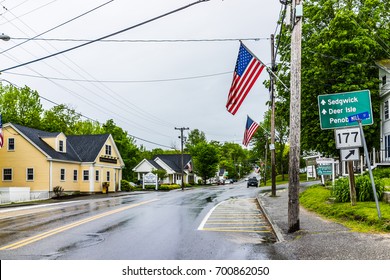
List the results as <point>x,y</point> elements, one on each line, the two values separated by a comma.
<point>82,115</point>
<point>104,37</point>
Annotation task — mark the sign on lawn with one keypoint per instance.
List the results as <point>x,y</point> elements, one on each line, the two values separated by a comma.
<point>335,109</point>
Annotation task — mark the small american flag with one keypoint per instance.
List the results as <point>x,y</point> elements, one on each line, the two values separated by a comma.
<point>250,129</point>
<point>248,69</point>
<point>1,133</point>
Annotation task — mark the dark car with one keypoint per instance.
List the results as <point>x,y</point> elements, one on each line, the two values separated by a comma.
<point>252,182</point>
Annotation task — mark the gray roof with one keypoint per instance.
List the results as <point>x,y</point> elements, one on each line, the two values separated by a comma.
<point>174,161</point>
<point>82,148</point>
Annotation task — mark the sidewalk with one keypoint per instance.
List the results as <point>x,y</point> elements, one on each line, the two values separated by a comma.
<point>318,238</point>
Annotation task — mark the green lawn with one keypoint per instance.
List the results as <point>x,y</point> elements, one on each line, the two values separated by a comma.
<point>362,217</point>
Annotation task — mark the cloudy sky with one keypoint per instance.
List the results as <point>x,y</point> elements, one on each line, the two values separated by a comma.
<point>172,72</point>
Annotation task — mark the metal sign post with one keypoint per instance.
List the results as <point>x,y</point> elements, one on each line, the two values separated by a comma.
<point>369,168</point>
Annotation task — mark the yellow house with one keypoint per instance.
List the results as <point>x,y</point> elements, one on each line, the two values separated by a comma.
<point>33,162</point>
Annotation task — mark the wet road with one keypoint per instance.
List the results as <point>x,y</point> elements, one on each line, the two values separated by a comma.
<point>221,222</point>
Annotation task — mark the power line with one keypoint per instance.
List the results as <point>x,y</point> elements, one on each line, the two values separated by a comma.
<point>105,37</point>
<point>55,103</point>
<point>35,38</point>
<point>121,81</point>
<point>62,24</point>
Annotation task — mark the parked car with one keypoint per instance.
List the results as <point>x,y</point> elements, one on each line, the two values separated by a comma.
<point>229,181</point>
<point>252,182</point>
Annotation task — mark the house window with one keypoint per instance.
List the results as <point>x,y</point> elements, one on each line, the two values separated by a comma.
<point>108,150</point>
<point>383,80</point>
<point>178,176</point>
<point>7,174</point>
<point>61,146</point>
<point>11,144</point>
<point>62,174</point>
<point>30,174</point>
<point>386,110</point>
<point>108,176</point>
<point>86,175</point>
<point>75,175</point>
<point>387,146</point>
<point>97,175</point>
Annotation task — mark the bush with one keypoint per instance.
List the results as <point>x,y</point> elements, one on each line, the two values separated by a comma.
<point>125,186</point>
<point>169,187</point>
<point>340,190</point>
<point>363,186</point>
<point>58,191</point>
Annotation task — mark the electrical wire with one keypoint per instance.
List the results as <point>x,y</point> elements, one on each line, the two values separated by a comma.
<point>105,37</point>
<point>121,81</point>
<point>58,26</point>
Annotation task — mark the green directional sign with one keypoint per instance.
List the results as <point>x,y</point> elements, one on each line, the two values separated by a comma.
<point>336,109</point>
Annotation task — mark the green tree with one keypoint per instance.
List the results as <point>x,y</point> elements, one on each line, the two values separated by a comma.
<point>21,106</point>
<point>195,137</point>
<point>60,118</point>
<point>205,158</point>
<point>341,40</point>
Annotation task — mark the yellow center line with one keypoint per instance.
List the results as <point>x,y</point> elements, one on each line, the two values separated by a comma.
<point>43,235</point>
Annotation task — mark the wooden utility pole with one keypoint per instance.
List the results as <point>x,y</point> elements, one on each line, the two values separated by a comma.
<point>295,117</point>
<point>272,146</point>
<point>182,156</point>
<point>352,187</point>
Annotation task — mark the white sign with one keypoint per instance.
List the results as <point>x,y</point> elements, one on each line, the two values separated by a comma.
<point>324,160</point>
<point>348,138</point>
<point>349,154</point>
<point>150,178</point>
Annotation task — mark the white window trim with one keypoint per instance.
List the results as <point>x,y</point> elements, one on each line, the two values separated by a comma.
<point>108,176</point>
<point>8,149</point>
<point>12,175</point>
<point>97,176</point>
<point>77,175</point>
<point>62,180</point>
<point>86,172</point>
<point>33,174</point>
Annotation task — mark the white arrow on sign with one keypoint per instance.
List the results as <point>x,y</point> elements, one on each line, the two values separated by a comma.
<point>324,112</point>
<point>349,154</point>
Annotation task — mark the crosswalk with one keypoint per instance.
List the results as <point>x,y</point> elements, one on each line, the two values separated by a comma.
<point>238,216</point>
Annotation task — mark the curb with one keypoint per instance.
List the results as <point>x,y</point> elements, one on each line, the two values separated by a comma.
<point>274,226</point>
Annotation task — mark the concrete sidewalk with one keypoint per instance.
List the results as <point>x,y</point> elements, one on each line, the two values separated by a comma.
<point>318,238</point>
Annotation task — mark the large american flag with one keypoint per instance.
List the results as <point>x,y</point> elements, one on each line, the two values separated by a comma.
<point>1,133</point>
<point>248,69</point>
<point>250,129</point>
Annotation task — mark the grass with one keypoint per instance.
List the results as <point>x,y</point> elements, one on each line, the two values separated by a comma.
<point>362,217</point>
<point>279,180</point>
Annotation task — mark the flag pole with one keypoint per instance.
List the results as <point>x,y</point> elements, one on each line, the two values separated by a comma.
<point>268,68</point>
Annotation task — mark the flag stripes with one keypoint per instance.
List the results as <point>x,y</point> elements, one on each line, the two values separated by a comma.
<point>248,69</point>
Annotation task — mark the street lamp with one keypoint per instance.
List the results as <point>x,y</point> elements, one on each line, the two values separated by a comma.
<point>4,37</point>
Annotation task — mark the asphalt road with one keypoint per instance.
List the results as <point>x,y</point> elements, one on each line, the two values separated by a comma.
<point>213,223</point>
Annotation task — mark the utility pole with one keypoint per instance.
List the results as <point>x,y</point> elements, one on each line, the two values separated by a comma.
<point>272,146</point>
<point>295,117</point>
<point>182,156</point>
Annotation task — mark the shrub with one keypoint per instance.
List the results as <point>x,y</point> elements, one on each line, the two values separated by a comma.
<point>363,187</point>
<point>58,191</point>
<point>169,187</point>
<point>125,186</point>
<point>340,190</point>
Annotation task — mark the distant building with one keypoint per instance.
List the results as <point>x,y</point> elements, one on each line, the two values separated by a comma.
<point>171,164</point>
<point>33,162</point>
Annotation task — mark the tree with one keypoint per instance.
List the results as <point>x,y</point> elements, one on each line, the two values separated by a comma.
<point>21,106</point>
<point>60,118</point>
<point>195,137</point>
<point>205,159</point>
<point>341,41</point>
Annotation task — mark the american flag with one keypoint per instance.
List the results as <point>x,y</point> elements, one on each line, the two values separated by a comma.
<point>1,133</point>
<point>248,69</point>
<point>250,129</point>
